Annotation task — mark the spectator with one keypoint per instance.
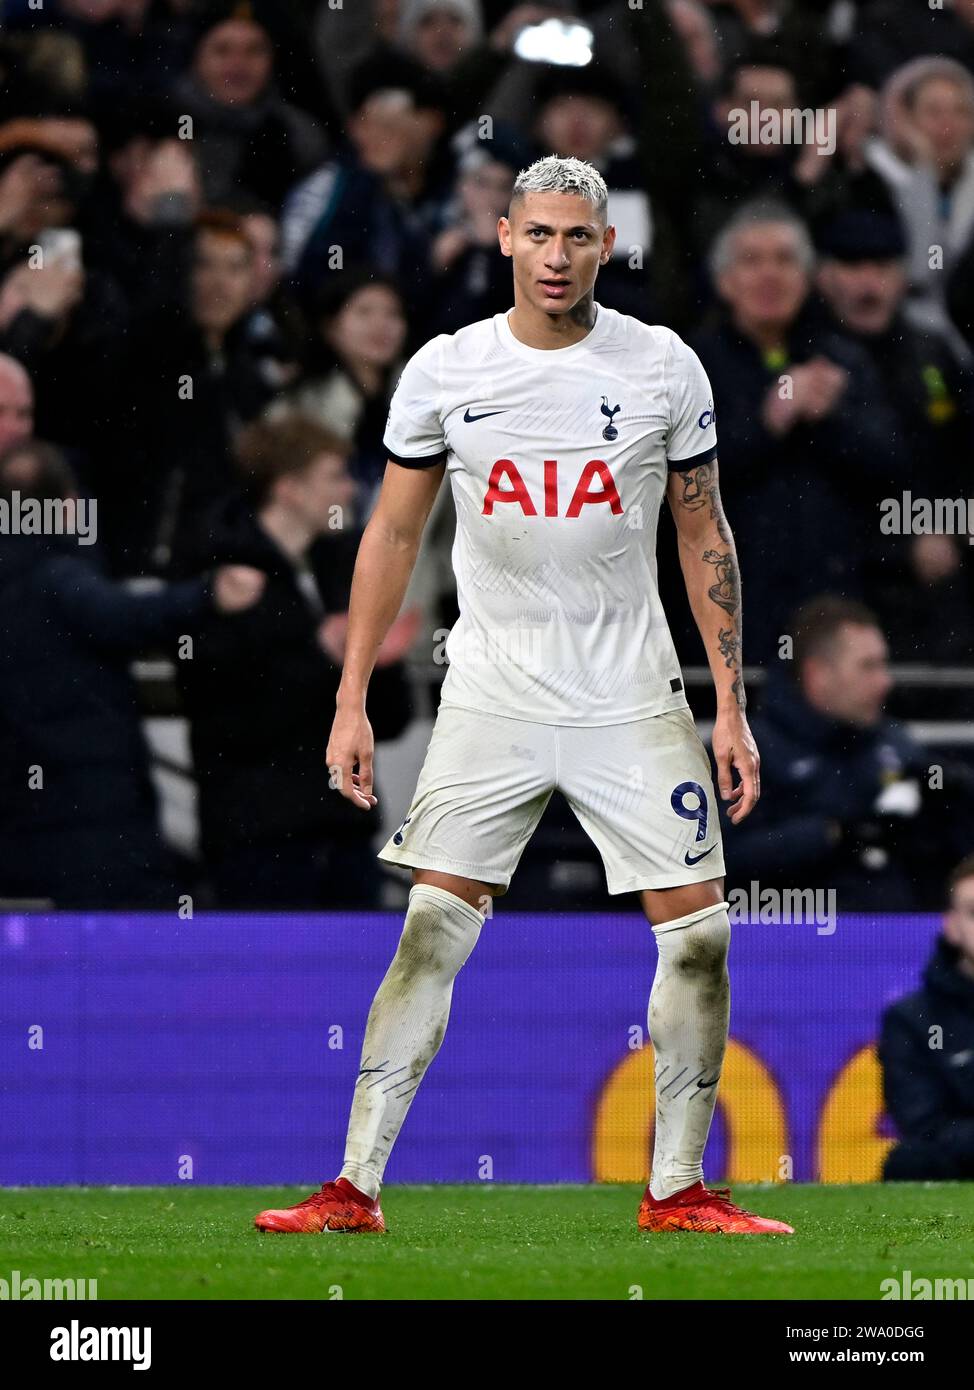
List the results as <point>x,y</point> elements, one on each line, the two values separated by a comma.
<point>140,226</point>
<point>443,38</point>
<point>261,683</point>
<point>77,809</point>
<point>63,319</point>
<point>845,803</point>
<point>346,384</point>
<point>862,275</point>
<point>437,33</point>
<point>819,167</point>
<point>741,171</point>
<point>888,34</point>
<point>247,137</point>
<point>809,444</point>
<point>583,112</point>
<point>695,27</point>
<point>276,328</point>
<point>920,584</point>
<point>16,403</point>
<point>807,43</point>
<point>473,276</point>
<point>181,422</point>
<point>926,157</point>
<point>123,48</point>
<point>384,196</point>
<point>43,70</point>
<point>926,1050</point>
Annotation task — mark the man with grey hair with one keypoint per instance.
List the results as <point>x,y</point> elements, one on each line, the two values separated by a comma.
<point>809,436</point>
<point>562,423</point>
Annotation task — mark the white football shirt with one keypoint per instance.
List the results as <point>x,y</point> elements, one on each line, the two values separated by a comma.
<point>558,460</point>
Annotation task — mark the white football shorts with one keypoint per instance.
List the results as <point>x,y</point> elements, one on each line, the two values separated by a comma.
<point>642,791</point>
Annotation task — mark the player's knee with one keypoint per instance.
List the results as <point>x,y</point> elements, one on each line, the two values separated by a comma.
<point>702,949</point>
<point>438,935</point>
<point>697,946</point>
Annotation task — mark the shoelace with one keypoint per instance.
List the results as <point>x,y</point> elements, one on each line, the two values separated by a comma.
<point>325,1194</point>
<point>720,1197</point>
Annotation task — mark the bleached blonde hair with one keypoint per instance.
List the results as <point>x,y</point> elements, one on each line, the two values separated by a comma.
<point>554,174</point>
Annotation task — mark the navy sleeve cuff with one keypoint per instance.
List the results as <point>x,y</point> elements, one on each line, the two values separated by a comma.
<point>425,461</point>
<point>685,465</point>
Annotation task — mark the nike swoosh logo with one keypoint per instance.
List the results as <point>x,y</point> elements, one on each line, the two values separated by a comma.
<point>471,418</point>
<point>689,858</point>
<point>706,1085</point>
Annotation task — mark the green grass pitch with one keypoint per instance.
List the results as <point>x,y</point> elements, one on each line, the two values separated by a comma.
<point>484,1242</point>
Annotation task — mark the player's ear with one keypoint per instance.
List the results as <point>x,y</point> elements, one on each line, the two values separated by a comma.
<point>504,235</point>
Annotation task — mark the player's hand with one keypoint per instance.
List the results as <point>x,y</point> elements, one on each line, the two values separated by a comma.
<point>351,743</point>
<point>236,587</point>
<point>735,749</point>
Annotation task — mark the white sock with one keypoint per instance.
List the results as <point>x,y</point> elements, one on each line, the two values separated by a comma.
<point>405,1026</point>
<point>689,1009</point>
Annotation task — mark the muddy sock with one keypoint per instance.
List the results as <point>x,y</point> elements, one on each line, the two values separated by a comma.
<point>405,1026</point>
<point>689,1009</point>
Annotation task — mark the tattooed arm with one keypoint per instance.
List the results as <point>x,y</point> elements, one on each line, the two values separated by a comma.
<point>709,563</point>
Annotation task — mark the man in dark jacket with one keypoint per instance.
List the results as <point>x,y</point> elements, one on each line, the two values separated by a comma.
<point>77,810</point>
<point>846,803</point>
<point>926,1050</point>
<point>385,192</point>
<point>922,585</point>
<point>809,442</point>
<point>261,687</point>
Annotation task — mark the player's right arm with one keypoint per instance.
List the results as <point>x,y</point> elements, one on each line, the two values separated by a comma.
<point>417,455</point>
<point>386,557</point>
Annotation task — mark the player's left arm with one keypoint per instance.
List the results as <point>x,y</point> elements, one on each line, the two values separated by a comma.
<point>709,563</point>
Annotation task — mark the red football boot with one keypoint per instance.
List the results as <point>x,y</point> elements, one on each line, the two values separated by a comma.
<point>338,1206</point>
<point>709,1211</point>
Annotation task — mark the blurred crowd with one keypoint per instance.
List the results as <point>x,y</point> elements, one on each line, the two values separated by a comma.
<point>223,229</point>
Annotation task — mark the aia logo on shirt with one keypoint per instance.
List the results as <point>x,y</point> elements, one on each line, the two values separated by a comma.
<point>515,490</point>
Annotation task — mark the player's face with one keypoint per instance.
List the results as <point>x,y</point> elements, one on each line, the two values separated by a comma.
<point>557,244</point>
<point>959,921</point>
<point>863,295</point>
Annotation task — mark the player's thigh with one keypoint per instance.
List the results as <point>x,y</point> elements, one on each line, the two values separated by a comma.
<point>484,784</point>
<point>667,904</point>
<point>471,890</point>
<point>644,794</point>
